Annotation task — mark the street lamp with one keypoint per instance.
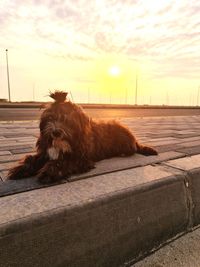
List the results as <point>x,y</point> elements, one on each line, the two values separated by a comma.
<point>136,88</point>
<point>8,75</point>
<point>198,96</point>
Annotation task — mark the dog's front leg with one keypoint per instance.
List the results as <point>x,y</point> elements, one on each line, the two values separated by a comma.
<point>51,172</point>
<point>56,170</point>
<point>29,166</point>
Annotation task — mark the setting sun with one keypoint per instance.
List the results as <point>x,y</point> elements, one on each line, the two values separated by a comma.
<point>114,71</point>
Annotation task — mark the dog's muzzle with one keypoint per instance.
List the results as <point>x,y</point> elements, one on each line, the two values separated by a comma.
<point>58,146</point>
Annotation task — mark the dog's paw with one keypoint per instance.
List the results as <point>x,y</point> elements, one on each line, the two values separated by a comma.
<point>85,166</point>
<point>25,169</point>
<point>18,172</point>
<point>50,173</point>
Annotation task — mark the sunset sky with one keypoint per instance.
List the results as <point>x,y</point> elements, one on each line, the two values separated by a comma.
<point>95,49</point>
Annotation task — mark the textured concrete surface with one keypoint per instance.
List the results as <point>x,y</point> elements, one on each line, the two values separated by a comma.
<point>101,221</point>
<point>183,252</point>
<point>110,216</point>
<point>13,207</point>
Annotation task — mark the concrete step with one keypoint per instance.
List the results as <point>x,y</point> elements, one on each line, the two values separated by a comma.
<point>109,220</point>
<point>8,187</point>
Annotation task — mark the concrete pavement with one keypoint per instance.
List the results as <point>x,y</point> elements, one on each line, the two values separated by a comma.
<point>111,216</point>
<point>182,252</point>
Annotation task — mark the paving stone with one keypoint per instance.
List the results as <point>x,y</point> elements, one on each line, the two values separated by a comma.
<point>168,138</point>
<point>20,135</point>
<point>185,164</point>
<point>22,150</point>
<point>170,147</point>
<point>191,139</point>
<point>164,132</point>
<point>8,140</point>
<point>9,158</point>
<point>11,131</point>
<point>3,175</point>
<point>160,135</point>
<point>8,144</point>
<point>17,146</point>
<point>191,144</point>
<point>19,139</point>
<point>185,135</point>
<point>184,132</point>
<point>5,153</point>
<point>165,142</point>
<point>189,150</point>
<point>6,166</point>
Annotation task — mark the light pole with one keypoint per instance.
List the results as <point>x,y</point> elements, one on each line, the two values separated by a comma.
<point>198,96</point>
<point>34,92</point>
<point>126,96</point>
<point>136,88</point>
<point>8,75</point>
<point>88,95</point>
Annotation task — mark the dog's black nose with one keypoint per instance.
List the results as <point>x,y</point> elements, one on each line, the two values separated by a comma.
<point>56,133</point>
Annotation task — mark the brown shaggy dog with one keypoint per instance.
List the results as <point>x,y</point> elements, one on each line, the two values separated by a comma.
<point>70,142</point>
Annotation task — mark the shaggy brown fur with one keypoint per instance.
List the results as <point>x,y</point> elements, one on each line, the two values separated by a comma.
<point>70,142</point>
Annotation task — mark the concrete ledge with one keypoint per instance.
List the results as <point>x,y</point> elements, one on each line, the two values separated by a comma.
<point>102,167</point>
<point>191,168</point>
<point>103,221</point>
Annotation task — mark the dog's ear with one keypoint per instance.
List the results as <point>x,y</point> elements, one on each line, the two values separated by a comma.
<point>80,119</point>
<point>59,96</point>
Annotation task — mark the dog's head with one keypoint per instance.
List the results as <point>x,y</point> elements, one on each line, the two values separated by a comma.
<point>62,126</point>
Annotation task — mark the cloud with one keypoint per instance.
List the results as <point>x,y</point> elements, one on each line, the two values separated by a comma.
<point>82,30</point>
